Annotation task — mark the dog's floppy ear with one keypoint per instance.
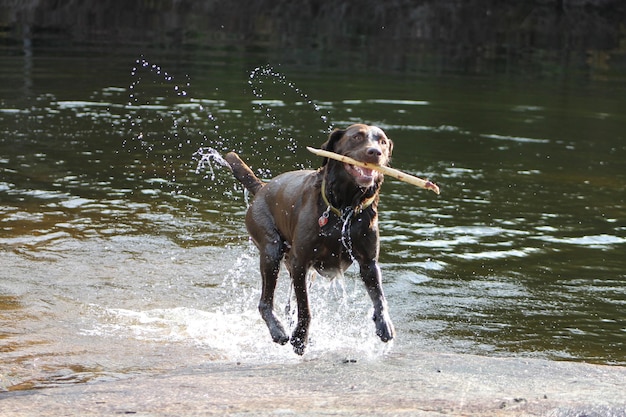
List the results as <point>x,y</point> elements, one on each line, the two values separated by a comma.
<point>329,145</point>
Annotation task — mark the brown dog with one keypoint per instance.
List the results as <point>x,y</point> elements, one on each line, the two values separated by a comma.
<point>323,219</point>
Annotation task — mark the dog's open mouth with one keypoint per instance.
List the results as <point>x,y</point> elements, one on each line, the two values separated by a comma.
<point>364,177</point>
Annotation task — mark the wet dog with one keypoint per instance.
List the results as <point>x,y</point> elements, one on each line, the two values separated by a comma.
<point>324,219</point>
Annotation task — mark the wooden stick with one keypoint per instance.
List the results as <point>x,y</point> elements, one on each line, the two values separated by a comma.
<point>399,175</point>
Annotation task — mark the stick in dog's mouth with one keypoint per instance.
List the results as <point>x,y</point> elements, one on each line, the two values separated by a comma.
<point>394,173</point>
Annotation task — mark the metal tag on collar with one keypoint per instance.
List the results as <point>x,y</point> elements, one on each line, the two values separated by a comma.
<point>324,217</point>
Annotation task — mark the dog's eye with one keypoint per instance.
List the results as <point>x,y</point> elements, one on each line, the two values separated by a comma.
<point>357,138</point>
<point>383,141</point>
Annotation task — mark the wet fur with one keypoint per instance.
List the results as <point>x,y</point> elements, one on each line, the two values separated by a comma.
<point>283,223</point>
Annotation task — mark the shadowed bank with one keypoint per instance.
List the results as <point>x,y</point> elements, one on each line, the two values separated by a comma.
<point>545,38</point>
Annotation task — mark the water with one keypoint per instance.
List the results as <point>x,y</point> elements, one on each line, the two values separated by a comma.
<point>118,258</point>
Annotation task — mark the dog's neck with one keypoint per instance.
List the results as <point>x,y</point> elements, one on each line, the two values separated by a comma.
<point>340,192</point>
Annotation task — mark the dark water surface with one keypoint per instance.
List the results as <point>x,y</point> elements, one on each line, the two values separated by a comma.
<point>118,257</point>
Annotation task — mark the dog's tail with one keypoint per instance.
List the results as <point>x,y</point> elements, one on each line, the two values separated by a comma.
<point>243,173</point>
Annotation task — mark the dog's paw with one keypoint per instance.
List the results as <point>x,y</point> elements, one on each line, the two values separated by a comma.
<point>299,340</point>
<point>298,345</point>
<point>278,334</point>
<point>384,327</point>
<point>281,340</point>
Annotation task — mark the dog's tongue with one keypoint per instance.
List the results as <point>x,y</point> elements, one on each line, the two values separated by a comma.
<point>365,172</point>
<point>363,176</point>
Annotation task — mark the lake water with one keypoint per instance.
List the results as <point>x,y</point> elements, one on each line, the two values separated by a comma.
<point>118,256</point>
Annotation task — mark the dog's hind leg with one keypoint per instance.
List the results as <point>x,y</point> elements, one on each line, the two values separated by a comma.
<point>271,257</point>
<point>300,335</point>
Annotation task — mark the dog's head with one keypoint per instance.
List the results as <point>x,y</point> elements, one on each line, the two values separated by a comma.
<point>363,143</point>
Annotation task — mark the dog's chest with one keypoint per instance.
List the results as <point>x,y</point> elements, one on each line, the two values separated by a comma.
<point>333,228</point>
<point>333,256</point>
<point>340,240</point>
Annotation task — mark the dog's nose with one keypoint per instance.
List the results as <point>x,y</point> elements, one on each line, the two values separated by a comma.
<point>374,152</point>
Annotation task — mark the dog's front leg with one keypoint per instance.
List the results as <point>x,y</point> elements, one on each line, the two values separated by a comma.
<point>300,335</point>
<point>370,273</point>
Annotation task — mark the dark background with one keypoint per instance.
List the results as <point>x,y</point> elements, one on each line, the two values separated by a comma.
<point>540,38</point>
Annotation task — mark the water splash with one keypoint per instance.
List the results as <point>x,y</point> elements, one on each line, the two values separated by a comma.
<point>204,156</point>
<point>142,98</point>
<point>143,64</point>
<point>168,126</point>
<point>171,138</point>
<point>256,81</point>
<point>234,331</point>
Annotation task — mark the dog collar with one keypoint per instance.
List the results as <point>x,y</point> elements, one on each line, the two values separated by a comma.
<point>329,207</point>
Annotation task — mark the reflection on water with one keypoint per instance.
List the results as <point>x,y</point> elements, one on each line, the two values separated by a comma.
<point>118,257</point>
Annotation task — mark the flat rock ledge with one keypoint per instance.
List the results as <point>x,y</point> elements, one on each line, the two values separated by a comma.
<point>424,384</point>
